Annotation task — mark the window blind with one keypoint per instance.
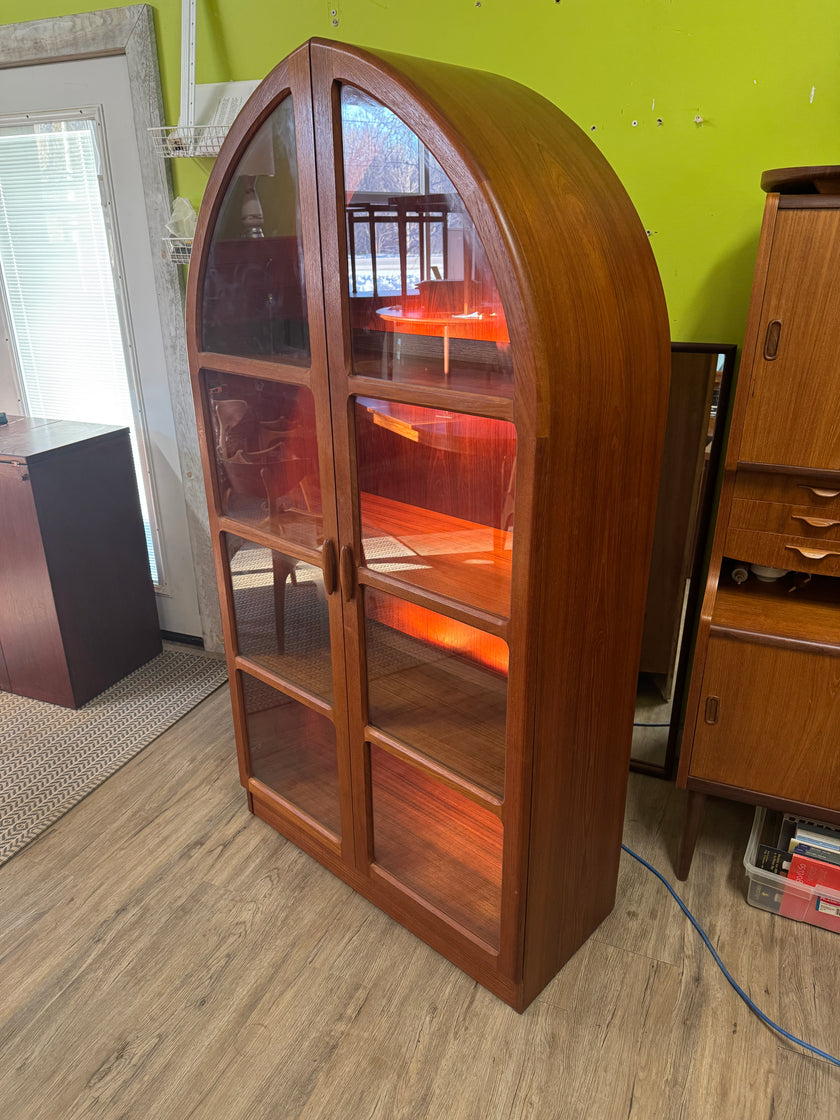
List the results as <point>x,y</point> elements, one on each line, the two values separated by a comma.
<point>58,281</point>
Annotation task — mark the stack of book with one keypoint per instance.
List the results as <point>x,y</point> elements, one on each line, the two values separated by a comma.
<point>804,860</point>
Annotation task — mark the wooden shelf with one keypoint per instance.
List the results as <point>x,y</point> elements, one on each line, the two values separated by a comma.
<point>293,752</point>
<point>438,843</point>
<point>436,552</point>
<point>484,379</point>
<point>447,708</point>
<point>781,609</point>
<point>451,398</point>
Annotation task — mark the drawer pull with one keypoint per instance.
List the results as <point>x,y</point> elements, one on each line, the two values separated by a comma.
<point>712,709</point>
<point>820,493</point>
<point>815,522</point>
<point>771,339</point>
<point>810,553</point>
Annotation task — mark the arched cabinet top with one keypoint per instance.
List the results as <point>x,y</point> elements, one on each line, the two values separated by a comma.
<point>577,279</point>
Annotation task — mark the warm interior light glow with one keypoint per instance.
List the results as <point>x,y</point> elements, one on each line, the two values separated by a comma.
<point>443,633</point>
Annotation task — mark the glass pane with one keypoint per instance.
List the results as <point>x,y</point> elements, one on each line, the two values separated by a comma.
<point>266,450</point>
<point>436,491</point>
<point>254,294</point>
<point>439,686</point>
<point>424,306</point>
<point>66,311</point>
<point>293,751</point>
<point>437,842</point>
<point>281,615</point>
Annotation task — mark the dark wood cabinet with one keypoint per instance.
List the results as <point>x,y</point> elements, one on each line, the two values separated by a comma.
<point>78,610</point>
<point>762,719</point>
<point>432,483</point>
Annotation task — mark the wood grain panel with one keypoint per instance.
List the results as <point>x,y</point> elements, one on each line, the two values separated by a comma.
<point>801,294</point>
<point>777,725</point>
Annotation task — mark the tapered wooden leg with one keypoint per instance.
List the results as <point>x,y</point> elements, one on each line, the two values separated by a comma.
<point>281,569</point>
<point>694,809</point>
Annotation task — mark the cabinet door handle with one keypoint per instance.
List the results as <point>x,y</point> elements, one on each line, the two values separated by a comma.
<point>347,572</point>
<point>330,577</point>
<point>771,339</point>
<point>712,709</point>
<point>811,553</point>
<point>815,522</point>
<point>819,492</point>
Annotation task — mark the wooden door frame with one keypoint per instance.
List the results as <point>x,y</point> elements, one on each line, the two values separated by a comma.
<point>130,32</point>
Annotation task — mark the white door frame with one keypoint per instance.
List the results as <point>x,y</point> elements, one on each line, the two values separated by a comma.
<point>130,31</point>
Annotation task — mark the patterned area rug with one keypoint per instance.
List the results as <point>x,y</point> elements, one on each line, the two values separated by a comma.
<point>51,757</point>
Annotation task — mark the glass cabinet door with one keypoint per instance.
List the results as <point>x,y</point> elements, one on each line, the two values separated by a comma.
<point>254,288</point>
<point>424,306</point>
<point>263,390</point>
<point>427,451</point>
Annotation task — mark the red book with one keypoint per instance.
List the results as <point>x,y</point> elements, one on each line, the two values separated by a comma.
<point>820,907</point>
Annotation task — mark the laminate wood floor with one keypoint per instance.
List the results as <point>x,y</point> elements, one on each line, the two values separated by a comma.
<point>164,955</point>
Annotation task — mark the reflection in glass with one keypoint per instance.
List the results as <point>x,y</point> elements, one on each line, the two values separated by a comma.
<point>439,686</point>
<point>424,305</point>
<point>281,615</point>
<point>436,491</point>
<point>293,751</point>
<point>438,843</point>
<point>254,294</point>
<point>266,450</point>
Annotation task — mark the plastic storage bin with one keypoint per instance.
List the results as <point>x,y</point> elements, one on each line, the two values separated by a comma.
<point>818,905</point>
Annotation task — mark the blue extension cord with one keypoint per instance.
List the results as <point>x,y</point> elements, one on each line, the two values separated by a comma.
<point>725,971</point>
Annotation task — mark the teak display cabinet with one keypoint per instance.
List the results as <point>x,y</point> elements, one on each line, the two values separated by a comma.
<point>762,718</point>
<point>430,358</point>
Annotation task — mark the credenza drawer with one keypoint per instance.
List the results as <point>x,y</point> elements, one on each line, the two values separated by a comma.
<point>775,550</point>
<point>774,517</point>
<point>796,490</point>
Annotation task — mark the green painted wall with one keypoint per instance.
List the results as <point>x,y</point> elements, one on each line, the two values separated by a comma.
<point>763,76</point>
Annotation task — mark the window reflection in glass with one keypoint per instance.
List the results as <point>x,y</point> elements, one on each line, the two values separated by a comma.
<point>424,305</point>
<point>266,452</point>
<point>281,615</point>
<point>254,294</point>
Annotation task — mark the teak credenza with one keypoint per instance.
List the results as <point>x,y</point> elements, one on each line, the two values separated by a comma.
<point>762,721</point>
<point>430,359</point>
